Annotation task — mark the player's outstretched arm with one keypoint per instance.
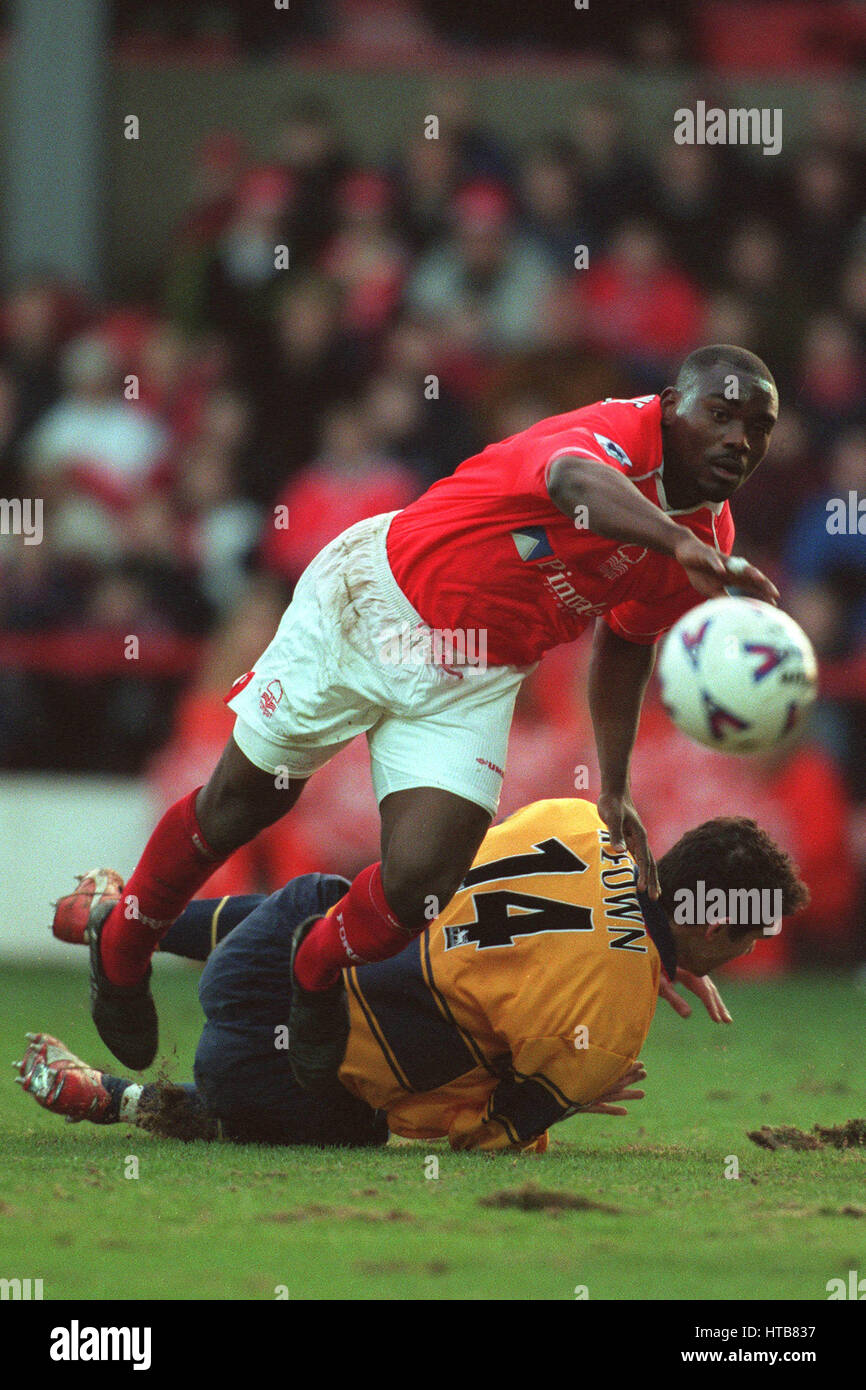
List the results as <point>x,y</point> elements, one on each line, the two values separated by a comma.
<point>612,506</point>
<point>618,675</point>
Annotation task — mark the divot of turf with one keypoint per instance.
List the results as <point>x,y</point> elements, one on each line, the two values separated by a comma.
<point>850,1135</point>
<point>784,1137</point>
<point>165,1112</point>
<point>531,1197</point>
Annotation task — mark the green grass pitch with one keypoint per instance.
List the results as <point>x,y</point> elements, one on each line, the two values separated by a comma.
<point>231,1222</point>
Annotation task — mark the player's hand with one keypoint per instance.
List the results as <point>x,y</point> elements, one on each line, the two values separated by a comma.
<point>627,832</point>
<point>703,987</point>
<point>607,1103</point>
<point>711,573</point>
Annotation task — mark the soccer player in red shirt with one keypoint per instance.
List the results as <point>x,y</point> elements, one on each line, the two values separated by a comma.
<point>417,628</point>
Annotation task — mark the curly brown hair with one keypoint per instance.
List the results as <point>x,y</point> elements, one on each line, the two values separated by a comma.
<point>730,853</point>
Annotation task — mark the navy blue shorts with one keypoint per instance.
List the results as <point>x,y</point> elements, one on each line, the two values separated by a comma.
<point>244,1079</point>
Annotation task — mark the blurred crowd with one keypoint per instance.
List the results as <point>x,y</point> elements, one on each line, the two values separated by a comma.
<point>763,35</point>
<point>328,338</point>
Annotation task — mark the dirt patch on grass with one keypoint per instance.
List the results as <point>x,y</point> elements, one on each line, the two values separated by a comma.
<point>659,1150</point>
<point>820,1086</point>
<point>381,1266</point>
<point>784,1137</point>
<point>530,1197</point>
<point>850,1135</point>
<point>317,1210</point>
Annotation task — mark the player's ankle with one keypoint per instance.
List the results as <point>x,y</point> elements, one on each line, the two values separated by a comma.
<point>124,1095</point>
<point>312,972</point>
<point>124,961</point>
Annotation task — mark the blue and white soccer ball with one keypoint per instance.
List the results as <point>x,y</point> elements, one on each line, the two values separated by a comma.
<point>738,675</point>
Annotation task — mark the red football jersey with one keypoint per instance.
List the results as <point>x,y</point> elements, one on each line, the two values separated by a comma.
<point>486,549</point>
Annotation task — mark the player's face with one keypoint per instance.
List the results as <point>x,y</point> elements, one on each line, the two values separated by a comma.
<point>710,947</point>
<point>715,434</point>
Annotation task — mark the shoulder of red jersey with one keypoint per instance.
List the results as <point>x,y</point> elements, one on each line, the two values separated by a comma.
<point>625,432</point>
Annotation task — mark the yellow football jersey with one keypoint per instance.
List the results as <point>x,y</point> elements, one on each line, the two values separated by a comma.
<point>529,995</point>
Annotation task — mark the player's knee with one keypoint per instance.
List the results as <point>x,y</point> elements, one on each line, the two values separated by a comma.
<point>417,888</point>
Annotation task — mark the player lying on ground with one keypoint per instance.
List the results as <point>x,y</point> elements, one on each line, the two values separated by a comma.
<point>527,999</point>
<point>417,628</point>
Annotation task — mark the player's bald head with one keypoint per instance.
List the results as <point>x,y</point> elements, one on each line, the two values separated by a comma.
<point>736,361</point>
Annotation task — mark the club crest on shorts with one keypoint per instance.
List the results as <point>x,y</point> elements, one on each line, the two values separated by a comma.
<point>270,698</point>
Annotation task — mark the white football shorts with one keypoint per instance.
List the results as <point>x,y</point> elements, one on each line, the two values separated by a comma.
<point>351,656</point>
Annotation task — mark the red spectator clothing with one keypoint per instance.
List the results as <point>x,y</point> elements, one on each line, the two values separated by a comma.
<point>323,501</point>
<point>486,549</point>
<point>267,863</point>
<point>801,803</point>
<point>372,272</point>
<point>658,316</point>
<point>547,759</point>
<point>832,386</point>
<point>813,792</point>
<point>797,36</point>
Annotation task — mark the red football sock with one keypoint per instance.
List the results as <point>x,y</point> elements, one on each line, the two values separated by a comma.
<point>360,928</point>
<point>177,860</point>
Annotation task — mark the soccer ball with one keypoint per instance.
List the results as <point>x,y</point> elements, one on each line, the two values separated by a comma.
<point>738,675</point>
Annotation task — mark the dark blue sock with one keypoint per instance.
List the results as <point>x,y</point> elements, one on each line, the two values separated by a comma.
<point>115,1086</point>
